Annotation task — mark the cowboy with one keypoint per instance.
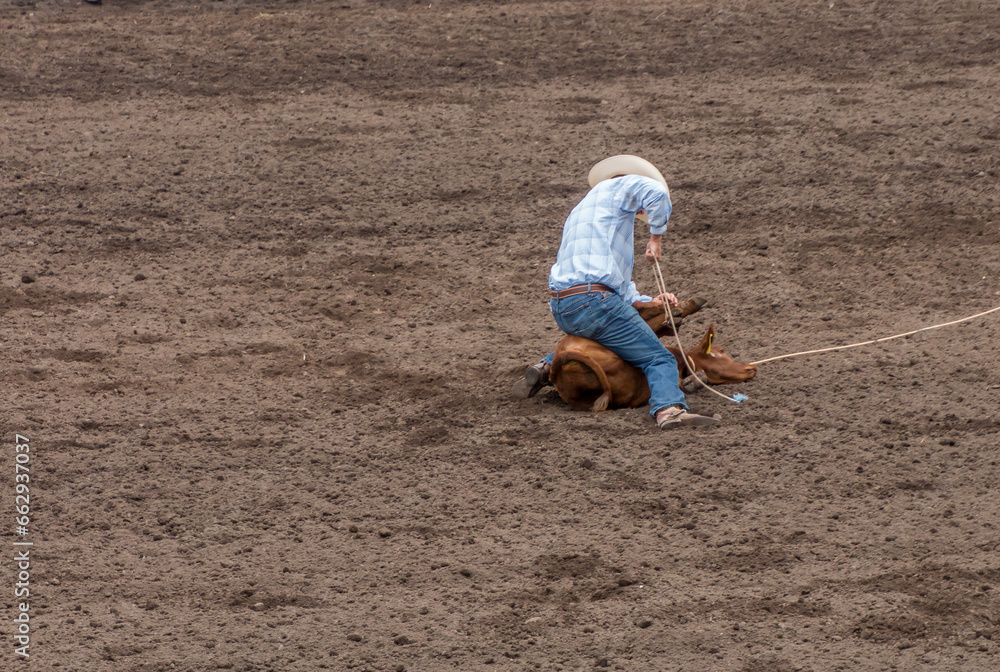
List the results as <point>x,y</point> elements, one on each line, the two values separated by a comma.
<point>591,282</point>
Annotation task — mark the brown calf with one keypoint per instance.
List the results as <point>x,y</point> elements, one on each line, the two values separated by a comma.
<point>588,376</point>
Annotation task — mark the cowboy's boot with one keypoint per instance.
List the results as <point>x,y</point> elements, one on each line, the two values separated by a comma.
<point>535,378</point>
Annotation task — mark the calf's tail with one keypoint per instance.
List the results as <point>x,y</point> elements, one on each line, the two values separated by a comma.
<point>602,402</point>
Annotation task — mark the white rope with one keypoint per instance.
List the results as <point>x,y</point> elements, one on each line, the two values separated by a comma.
<point>878,340</point>
<point>662,287</point>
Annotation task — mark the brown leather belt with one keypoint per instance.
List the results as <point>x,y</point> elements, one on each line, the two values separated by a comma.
<point>579,289</point>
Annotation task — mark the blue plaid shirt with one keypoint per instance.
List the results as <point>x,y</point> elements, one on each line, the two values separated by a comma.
<point>598,243</point>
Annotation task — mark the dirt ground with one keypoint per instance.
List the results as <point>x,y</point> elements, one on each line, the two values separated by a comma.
<point>271,269</point>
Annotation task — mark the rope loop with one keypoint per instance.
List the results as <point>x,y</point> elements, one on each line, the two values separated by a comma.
<point>662,288</point>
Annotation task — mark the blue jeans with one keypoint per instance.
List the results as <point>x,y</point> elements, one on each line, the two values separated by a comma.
<point>605,318</point>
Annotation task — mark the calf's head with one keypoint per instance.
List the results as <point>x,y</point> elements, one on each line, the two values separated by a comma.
<point>717,365</point>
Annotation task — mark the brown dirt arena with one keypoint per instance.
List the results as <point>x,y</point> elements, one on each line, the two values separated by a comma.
<point>270,270</point>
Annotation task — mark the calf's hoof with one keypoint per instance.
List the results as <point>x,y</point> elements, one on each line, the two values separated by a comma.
<point>689,307</point>
<point>690,385</point>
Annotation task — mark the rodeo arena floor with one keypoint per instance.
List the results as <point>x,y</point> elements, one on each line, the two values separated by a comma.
<point>271,270</point>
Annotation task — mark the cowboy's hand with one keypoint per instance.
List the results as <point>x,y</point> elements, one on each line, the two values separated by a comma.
<point>668,297</point>
<point>653,249</point>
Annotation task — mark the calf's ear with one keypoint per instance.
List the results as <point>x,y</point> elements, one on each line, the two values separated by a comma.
<point>705,347</point>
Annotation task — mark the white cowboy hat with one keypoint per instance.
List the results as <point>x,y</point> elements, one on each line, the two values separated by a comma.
<point>625,164</point>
